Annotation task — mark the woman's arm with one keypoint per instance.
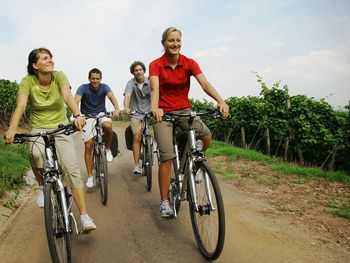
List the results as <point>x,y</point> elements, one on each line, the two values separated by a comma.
<point>21,105</point>
<point>79,121</point>
<point>211,91</point>
<point>157,113</point>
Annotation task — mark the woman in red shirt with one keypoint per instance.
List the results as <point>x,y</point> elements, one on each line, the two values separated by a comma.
<point>170,83</point>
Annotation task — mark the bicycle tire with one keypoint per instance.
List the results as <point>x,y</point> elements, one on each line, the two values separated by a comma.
<point>97,167</point>
<point>58,239</point>
<point>103,176</point>
<point>208,225</point>
<point>147,164</point>
<point>174,191</point>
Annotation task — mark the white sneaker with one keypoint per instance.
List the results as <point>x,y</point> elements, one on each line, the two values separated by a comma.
<point>109,155</point>
<point>165,210</point>
<point>87,223</point>
<point>90,182</point>
<point>40,197</point>
<point>137,169</point>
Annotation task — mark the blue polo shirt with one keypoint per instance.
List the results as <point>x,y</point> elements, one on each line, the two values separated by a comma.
<point>93,101</point>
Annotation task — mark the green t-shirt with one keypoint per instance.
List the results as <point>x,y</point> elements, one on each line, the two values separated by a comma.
<point>47,105</point>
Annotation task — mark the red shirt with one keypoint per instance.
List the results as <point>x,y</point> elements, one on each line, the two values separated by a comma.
<point>174,84</point>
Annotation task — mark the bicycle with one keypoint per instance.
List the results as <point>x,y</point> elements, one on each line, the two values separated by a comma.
<point>99,156</point>
<point>58,201</point>
<point>203,193</point>
<point>146,152</point>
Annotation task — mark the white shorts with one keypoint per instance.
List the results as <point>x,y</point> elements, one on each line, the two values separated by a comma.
<point>88,130</point>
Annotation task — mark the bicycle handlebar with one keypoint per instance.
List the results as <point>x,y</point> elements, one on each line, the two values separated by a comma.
<point>67,129</point>
<point>170,116</point>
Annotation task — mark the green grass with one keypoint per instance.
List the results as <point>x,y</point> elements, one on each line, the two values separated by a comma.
<point>14,164</point>
<point>340,205</point>
<point>231,153</point>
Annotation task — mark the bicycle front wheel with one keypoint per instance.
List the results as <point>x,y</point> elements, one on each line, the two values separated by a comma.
<point>103,177</point>
<point>208,223</point>
<point>147,164</point>
<point>97,166</point>
<point>174,190</point>
<point>58,238</point>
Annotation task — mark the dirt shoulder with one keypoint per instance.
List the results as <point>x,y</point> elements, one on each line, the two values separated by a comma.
<point>303,202</point>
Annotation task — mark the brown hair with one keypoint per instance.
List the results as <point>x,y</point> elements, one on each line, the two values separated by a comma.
<point>137,63</point>
<point>96,71</point>
<point>33,58</point>
<point>168,31</point>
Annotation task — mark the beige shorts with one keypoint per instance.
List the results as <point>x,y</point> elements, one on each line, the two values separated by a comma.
<point>163,133</point>
<point>88,130</point>
<point>136,125</point>
<point>66,154</point>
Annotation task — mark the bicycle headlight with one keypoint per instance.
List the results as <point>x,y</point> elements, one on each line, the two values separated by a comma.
<point>199,145</point>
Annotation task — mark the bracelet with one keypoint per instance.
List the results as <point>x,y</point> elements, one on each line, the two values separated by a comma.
<point>78,115</point>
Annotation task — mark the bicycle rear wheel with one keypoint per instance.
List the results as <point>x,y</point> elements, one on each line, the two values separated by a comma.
<point>147,164</point>
<point>208,223</point>
<point>58,238</point>
<point>103,176</point>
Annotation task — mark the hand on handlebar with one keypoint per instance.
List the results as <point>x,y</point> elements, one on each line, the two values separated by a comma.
<point>158,114</point>
<point>79,122</point>
<point>127,111</point>
<point>9,136</point>
<point>223,109</point>
<point>116,113</point>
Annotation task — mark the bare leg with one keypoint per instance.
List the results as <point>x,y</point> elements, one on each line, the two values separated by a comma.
<point>164,178</point>
<point>88,156</point>
<point>38,175</point>
<point>136,147</point>
<point>206,141</point>
<point>79,198</point>
<point>108,133</point>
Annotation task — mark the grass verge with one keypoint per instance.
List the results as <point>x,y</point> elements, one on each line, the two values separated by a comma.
<point>14,164</point>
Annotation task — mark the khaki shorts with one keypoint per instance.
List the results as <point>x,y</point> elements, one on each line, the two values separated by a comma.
<point>136,125</point>
<point>66,156</point>
<point>163,133</point>
<point>88,130</point>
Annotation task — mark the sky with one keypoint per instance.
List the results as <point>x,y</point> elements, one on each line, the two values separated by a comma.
<point>304,44</point>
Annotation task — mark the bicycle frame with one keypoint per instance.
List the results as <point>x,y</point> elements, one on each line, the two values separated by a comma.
<point>192,154</point>
<point>53,174</point>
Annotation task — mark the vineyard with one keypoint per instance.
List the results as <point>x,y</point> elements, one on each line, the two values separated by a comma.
<point>295,129</point>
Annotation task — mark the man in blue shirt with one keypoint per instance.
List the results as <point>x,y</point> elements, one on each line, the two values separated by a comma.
<point>92,97</point>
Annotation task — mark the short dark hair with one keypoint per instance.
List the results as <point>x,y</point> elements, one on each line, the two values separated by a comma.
<point>137,63</point>
<point>33,58</point>
<point>96,71</point>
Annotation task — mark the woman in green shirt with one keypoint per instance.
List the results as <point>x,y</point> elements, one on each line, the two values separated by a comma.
<point>47,91</point>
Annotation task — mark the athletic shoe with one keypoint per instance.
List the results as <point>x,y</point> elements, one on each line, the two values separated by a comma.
<point>109,155</point>
<point>87,223</point>
<point>90,182</point>
<point>165,210</point>
<point>40,197</point>
<point>137,169</point>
